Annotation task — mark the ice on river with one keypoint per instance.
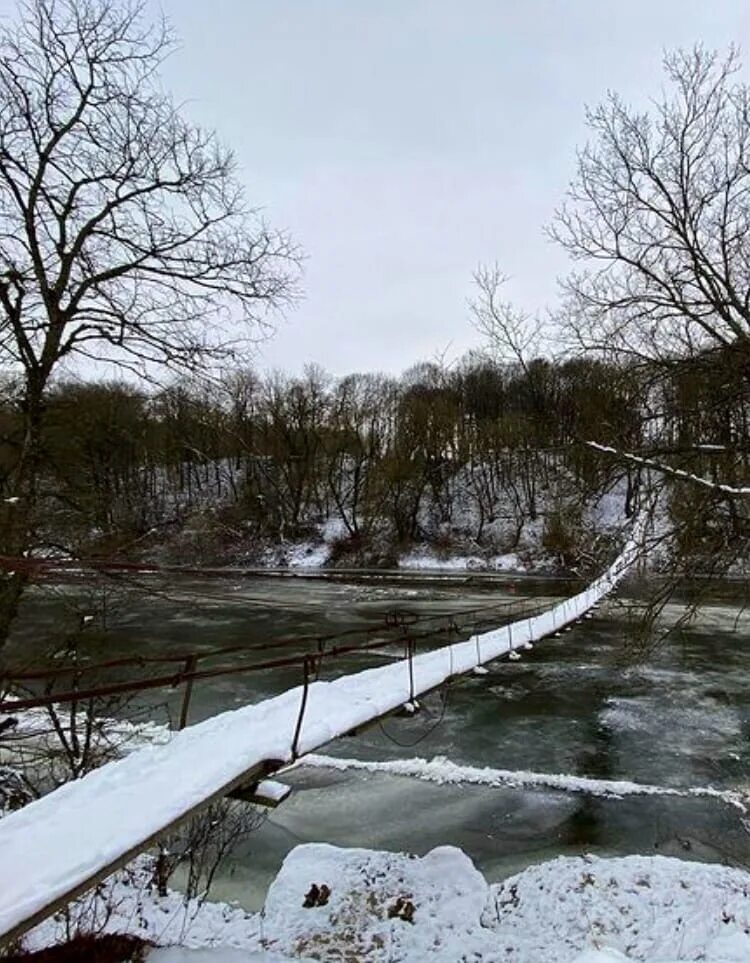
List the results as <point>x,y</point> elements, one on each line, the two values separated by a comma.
<point>694,734</point>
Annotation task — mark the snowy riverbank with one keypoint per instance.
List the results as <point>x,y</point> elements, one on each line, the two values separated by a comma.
<point>519,547</point>
<point>394,907</point>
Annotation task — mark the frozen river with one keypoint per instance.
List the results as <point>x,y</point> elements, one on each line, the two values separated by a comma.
<point>573,706</point>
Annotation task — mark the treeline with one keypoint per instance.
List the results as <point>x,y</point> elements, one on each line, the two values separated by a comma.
<point>475,452</point>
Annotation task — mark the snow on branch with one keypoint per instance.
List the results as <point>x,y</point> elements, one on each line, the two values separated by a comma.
<point>669,470</point>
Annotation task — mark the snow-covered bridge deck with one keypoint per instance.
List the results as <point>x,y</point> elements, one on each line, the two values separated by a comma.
<point>59,846</point>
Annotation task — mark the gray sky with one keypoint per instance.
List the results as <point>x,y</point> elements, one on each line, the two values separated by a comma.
<point>404,141</point>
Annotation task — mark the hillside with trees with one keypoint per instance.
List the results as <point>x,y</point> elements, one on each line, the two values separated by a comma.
<point>485,458</point>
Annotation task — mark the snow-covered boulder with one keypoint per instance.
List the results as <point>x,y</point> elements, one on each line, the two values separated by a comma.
<point>381,906</point>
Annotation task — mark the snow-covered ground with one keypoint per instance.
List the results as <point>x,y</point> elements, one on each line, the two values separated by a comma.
<point>425,560</point>
<point>128,903</point>
<point>34,726</point>
<point>380,906</point>
<point>181,954</point>
<point>459,552</point>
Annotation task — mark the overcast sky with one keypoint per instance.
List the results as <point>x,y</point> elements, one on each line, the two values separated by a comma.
<point>402,142</point>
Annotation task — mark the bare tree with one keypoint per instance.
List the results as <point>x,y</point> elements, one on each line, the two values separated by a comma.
<point>658,216</point>
<point>202,845</point>
<point>512,335</point>
<point>516,340</point>
<point>125,234</point>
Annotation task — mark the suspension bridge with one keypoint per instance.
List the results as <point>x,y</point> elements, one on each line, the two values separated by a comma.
<point>58,847</point>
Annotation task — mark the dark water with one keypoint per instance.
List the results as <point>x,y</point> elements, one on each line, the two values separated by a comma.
<point>573,705</point>
<point>267,618</point>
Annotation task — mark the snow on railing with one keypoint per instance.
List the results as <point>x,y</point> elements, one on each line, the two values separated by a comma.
<point>60,845</point>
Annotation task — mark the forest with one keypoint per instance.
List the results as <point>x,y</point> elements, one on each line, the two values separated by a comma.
<point>452,457</point>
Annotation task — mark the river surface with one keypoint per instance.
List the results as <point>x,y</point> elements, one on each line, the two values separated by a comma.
<point>575,705</point>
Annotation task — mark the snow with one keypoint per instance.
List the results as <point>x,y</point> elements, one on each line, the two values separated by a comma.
<point>359,920</point>
<point>310,553</point>
<point>442,771</point>
<point>128,903</point>
<point>425,560</point>
<point>87,826</point>
<point>669,470</point>
<point>126,736</point>
<point>178,954</point>
<point>642,907</point>
<point>570,909</point>
<point>307,555</point>
<point>650,909</point>
<point>606,513</point>
<point>605,956</point>
<point>273,791</point>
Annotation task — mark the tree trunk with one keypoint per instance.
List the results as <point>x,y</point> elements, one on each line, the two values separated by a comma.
<point>19,507</point>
